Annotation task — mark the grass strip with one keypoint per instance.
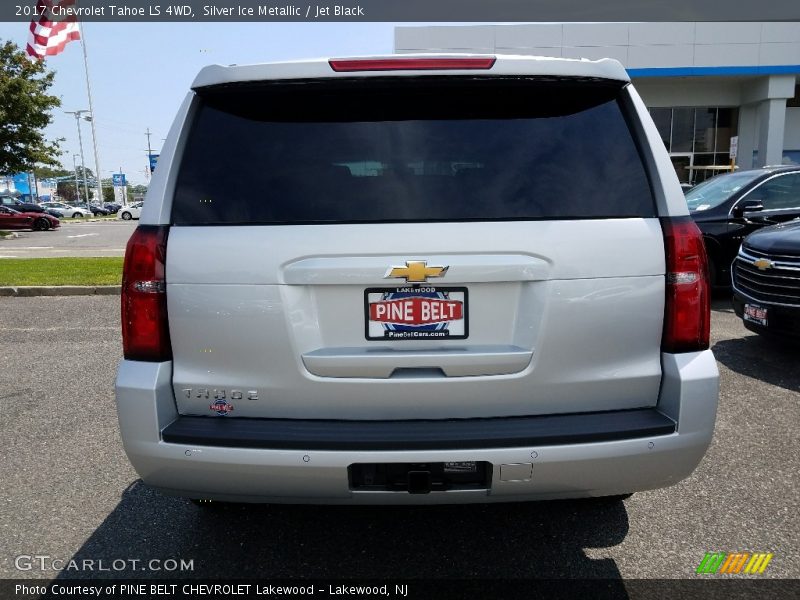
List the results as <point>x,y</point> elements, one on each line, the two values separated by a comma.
<point>105,270</point>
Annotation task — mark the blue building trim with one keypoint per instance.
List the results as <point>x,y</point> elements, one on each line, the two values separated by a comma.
<point>705,71</point>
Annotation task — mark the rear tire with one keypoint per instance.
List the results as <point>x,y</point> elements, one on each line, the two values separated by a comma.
<point>126,216</point>
<point>77,216</point>
<point>41,225</point>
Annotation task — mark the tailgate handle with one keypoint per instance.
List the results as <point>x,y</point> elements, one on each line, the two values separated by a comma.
<point>417,373</point>
<point>384,363</point>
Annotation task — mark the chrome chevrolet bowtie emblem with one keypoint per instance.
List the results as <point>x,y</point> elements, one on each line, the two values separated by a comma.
<point>763,264</point>
<point>415,271</point>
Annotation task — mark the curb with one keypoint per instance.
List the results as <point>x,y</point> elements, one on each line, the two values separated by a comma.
<point>83,220</point>
<point>60,290</point>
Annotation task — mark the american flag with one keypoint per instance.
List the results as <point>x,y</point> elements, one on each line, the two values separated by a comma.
<point>51,31</point>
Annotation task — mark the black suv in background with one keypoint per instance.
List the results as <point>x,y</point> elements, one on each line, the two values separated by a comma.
<point>728,207</point>
<point>97,211</point>
<point>766,281</point>
<point>20,206</point>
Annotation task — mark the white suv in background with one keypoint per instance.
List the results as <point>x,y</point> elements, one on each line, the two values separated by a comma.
<point>415,279</point>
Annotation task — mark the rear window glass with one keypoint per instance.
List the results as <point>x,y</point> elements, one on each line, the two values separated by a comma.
<point>405,150</point>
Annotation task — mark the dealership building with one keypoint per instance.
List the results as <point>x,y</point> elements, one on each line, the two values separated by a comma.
<point>703,83</point>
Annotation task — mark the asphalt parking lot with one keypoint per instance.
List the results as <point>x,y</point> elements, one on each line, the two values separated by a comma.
<point>69,492</point>
<point>90,238</point>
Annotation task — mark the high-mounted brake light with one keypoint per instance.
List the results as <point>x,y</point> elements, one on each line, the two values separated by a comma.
<point>687,312</point>
<point>411,64</point>
<point>145,332</point>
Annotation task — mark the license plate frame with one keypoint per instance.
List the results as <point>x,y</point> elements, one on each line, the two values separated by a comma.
<point>755,313</point>
<point>377,331</point>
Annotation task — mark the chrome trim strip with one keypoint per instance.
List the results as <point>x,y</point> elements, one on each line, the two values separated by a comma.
<point>777,263</point>
<point>756,300</point>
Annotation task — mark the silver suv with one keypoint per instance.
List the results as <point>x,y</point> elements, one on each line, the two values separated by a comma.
<point>415,279</point>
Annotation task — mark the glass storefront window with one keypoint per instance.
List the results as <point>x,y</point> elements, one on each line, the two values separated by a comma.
<point>705,123</point>
<point>702,129</point>
<point>704,159</point>
<point>698,139</point>
<point>727,118</point>
<point>682,129</point>
<point>662,117</point>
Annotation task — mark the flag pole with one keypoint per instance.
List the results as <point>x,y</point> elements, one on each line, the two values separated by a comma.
<point>98,185</point>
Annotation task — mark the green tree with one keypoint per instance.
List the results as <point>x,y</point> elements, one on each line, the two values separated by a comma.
<point>89,173</point>
<point>66,191</point>
<point>51,173</point>
<point>108,190</point>
<point>25,111</point>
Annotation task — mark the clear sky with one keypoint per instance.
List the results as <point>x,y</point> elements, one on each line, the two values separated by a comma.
<point>140,73</point>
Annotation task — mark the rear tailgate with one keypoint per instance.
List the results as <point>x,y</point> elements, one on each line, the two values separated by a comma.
<point>384,249</point>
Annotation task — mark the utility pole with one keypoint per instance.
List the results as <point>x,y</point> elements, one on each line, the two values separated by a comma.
<point>124,190</point>
<point>149,152</point>
<point>35,186</point>
<point>77,187</point>
<point>91,121</point>
<point>78,114</point>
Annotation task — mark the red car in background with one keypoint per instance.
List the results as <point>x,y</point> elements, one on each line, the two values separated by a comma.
<point>13,219</point>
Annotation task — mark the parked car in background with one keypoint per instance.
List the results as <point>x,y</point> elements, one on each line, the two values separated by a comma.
<point>68,210</point>
<point>728,207</point>
<point>38,221</point>
<point>18,205</point>
<point>132,211</point>
<point>94,208</point>
<point>766,281</point>
<point>112,207</point>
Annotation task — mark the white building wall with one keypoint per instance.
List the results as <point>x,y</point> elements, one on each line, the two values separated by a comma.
<point>694,91</point>
<point>748,65</point>
<point>635,45</point>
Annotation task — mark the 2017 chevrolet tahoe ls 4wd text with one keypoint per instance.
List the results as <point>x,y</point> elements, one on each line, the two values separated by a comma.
<point>415,279</point>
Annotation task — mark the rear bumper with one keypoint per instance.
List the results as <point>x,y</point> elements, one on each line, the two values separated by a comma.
<point>579,455</point>
<point>455,434</point>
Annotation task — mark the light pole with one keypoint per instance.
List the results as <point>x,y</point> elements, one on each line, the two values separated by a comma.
<point>78,114</point>
<point>98,184</point>
<point>77,186</point>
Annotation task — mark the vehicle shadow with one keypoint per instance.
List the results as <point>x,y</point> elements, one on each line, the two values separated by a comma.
<point>767,360</point>
<point>497,541</point>
<point>721,301</point>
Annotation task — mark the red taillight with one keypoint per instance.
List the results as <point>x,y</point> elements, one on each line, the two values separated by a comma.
<point>411,64</point>
<point>145,334</point>
<point>687,313</point>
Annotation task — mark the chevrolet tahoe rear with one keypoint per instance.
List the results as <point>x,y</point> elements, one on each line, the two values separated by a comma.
<point>417,279</point>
